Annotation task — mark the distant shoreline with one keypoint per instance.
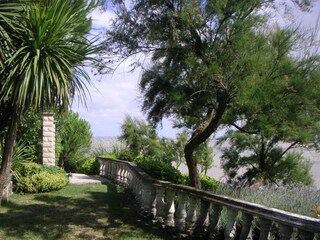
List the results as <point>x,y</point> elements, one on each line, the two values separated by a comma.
<point>216,171</point>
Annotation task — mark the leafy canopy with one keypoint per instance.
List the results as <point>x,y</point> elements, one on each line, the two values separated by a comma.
<point>51,46</point>
<point>206,57</point>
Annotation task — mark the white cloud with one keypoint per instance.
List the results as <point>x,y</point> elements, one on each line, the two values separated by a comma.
<point>111,98</point>
<point>101,19</point>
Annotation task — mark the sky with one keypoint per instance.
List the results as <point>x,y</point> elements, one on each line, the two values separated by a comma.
<point>116,95</point>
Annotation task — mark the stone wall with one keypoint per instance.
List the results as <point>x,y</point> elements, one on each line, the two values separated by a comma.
<point>48,139</point>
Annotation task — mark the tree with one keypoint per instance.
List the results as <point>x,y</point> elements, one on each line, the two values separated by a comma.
<point>175,149</point>
<point>141,138</point>
<point>255,159</point>
<point>281,106</point>
<point>75,138</point>
<point>43,65</point>
<point>203,54</point>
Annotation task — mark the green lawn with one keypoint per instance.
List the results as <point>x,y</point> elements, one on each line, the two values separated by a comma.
<point>93,211</point>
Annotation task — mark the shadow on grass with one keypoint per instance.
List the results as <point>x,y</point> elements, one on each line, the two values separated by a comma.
<point>77,212</point>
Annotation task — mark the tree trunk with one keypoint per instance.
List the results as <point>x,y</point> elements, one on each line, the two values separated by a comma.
<point>11,136</point>
<point>194,176</point>
<point>201,134</point>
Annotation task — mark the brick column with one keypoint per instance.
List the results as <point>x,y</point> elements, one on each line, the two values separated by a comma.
<point>48,139</point>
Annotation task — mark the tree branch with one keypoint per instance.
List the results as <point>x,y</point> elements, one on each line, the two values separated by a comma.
<point>243,130</point>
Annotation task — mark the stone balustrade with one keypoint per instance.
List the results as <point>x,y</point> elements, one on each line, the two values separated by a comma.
<point>195,212</point>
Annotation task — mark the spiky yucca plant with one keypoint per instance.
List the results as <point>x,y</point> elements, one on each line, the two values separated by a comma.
<point>42,65</point>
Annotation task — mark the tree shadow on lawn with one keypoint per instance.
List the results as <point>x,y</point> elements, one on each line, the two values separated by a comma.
<point>96,215</point>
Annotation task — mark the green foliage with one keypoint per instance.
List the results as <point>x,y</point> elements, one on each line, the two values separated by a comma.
<point>127,155</point>
<point>204,157</point>
<point>90,166</point>
<point>99,151</point>
<point>29,177</point>
<point>141,138</point>
<point>29,135</point>
<point>252,158</point>
<point>216,63</point>
<point>76,137</point>
<point>49,50</point>
<point>159,170</point>
<point>43,54</point>
<point>207,183</point>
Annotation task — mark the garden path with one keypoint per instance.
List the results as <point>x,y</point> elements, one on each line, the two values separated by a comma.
<point>77,178</point>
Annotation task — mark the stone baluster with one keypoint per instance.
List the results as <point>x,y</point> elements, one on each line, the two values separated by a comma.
<point>125,176</point>
<point>130,178</point>
<point>153,210</point>
<point>108,172</point>
<point>142,196</point>
<point>304,235</point>
<point>265,225</point>
<point>137,189</point>
<point>132,185</point>
<point>115,171</point>
<point>118,176</point>
<point>214,219</point>
<point>121,173</point>
<point>148,197</point>
<point>141,191</point>
<point>160,202</point>
<point>181,212</point>
<point>285,232</point>
<point>102,169</point>
<point>111,170</point>
<point>246,226</point>
<point>229,232</point>
<point>203,219</point>
<point>170,209</point>
<point>191,215</point>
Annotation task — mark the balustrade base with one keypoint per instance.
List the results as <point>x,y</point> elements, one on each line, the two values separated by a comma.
<point>196,214</point>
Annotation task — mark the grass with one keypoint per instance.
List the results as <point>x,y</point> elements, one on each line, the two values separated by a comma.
<point>92,211</point>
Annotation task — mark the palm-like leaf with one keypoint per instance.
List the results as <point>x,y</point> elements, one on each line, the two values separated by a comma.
<point>8,14</point>
<point>51,48</point>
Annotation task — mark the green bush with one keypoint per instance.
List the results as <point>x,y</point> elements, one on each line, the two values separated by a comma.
<point>207,183</point>
<point>159,170</point>
<point>127,155</point>
<point>74,165</point>
<point>91,167</point>
<point>29,177</point>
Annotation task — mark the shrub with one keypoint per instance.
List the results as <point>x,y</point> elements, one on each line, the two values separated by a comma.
<point>29,177</point>
<point>91,167</point>
<point>127,155</point>
<point>75,138</point>
<point>207,183</point>
<point>159,170</point>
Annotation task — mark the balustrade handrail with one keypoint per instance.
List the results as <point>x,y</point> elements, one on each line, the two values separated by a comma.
<point>298,221</point>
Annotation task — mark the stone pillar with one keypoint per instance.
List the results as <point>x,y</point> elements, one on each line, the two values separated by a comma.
<point>48,139</point>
